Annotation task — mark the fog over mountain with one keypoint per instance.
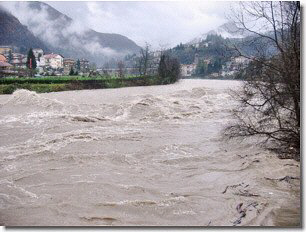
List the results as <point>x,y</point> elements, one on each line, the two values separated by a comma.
<point>226,30</point>
<point>71,28</point>
<point>156,22</point>
<point>68,37</point>
<point>14,33</point>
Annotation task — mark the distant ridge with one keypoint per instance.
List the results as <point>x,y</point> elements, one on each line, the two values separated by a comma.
<point>226,30</point>
<point>65,36</point>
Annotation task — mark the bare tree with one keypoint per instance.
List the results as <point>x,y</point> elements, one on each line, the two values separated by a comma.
<point>105,69</point>
<point>270,97</point>
<point>144,60</point>
<point>120,69</point>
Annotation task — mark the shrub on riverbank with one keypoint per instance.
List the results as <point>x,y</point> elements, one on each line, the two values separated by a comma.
<point>55,84</point>
<point>169,69</point>
<point>39,88</point>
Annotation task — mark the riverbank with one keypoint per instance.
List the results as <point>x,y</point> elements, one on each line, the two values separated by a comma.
<point>57,84</point>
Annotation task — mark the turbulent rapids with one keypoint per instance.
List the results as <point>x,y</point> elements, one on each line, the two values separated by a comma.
<point>138,156</point>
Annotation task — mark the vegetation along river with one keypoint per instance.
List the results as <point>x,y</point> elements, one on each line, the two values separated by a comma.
<point>137,156</point>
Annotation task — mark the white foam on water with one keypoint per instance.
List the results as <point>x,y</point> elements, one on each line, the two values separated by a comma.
<point>26,97</point>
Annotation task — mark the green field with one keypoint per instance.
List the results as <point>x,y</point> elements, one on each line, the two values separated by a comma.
<point>62,83</point>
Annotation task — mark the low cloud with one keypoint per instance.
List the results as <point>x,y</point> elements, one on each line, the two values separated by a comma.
<point>157,23</point>
<point>58,32</point>
<point>153,22</point>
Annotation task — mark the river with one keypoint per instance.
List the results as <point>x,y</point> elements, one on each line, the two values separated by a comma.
<point>151,156</point>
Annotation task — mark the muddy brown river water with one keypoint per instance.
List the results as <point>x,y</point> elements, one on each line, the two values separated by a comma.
<point>137,156</point>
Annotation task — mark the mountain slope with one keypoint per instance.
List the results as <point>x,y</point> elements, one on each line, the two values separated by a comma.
<point>65,36</point>
<point>14,33</point>
<point>227,30</point>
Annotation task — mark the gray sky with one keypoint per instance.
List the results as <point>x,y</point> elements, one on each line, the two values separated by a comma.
<point>158,23</point>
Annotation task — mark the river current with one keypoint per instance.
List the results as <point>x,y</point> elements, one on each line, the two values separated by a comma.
<point>138,156</point>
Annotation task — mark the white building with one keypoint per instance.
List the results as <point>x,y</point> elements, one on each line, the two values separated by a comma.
<point>19,60</point>
<point>156,54</point>
<point>38,52</point>
<point>55,61</point>
<point>241,60</point>
<point>188,69</point>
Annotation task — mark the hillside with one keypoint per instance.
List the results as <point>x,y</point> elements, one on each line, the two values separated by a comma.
<point>227,30</point>
<point>65,36</point>
<point>14,33</point>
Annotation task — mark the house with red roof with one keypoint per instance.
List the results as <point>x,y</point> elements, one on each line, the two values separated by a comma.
<point>5,68</point>
<point>2,58</point>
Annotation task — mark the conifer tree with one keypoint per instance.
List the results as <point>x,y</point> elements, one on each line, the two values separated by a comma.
<point>31,61</point>
<point>10,56</point>
<point>71,73</point>
<point>78,65</point>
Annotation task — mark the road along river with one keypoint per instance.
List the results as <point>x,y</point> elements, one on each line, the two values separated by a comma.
<point>137,156</point>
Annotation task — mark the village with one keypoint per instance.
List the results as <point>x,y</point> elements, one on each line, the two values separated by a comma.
<point>229,69</point>
<point>13,63</point>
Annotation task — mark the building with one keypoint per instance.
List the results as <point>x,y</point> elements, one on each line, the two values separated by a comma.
<point>238,63</point>
<point>68,64</point>
<point>156,54</point>
<point>38,52</point>
<point>207,44</point>
<point>2,58</point>
<point>233,66</point>
<point>5,50</point>
<point>84,65</point>
<point>188,69</point>
<point>241,60</point>
<point>5,65</point>
<point>207,61</point>
<point>55,61</point>
<point>196,45</point>
<point>5,69</point>
<point>19,60</point>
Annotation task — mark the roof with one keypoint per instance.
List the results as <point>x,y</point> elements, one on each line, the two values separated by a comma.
<point>49,56</point>
<point>17,54</point>
<point>2,58</point>
<point>5,64</point>
<point>18,61</point>
<point>69,59</point>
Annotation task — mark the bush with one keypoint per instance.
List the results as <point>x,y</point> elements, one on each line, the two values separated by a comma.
<point>7,89</point>
<point>168,70</point>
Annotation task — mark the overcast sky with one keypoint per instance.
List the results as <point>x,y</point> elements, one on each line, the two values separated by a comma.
<point>158,23</point>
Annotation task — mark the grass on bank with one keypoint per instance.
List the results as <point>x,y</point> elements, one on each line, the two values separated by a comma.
<point>55,83</point>
<point>57,79</point>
